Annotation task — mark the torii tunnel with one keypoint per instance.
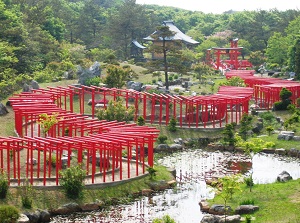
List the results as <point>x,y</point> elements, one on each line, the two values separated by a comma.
<point>267,90</point>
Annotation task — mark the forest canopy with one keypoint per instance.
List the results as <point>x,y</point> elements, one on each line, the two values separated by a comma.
<point>45,38</point>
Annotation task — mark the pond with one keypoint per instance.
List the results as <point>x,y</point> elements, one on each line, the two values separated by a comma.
<point>192,168</point>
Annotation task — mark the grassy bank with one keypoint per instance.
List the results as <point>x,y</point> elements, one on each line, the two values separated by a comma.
<point>50,199</point>
<point>278,202</point>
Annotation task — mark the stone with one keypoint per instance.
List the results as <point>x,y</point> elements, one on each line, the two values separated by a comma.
<point>230,219</point>
<point>175,147</point>
<point>159,186</point>
<point>44,216</point>
<point>33,217</point>
<point>66,209</point>
<point>246,209</point>
<point>3,109</point>
<point>296,138</point>
<point>85,74</point>
<point>178,141</point>
<point>35,84</point>
<point>218,209</point>
<point>23,219</point>
<point>26,88</point>
<point>204,206</point>
<point>284,176</point>
<point>147,192</point>
<point>89,207</point>
<point>280,151</point>
<point>293,152</point>
<point>162,148</point>
<point>209,218</point>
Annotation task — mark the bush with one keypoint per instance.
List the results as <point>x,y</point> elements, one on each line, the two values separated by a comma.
<point>140,121</point>
<point>26,195</point>
<point>8,214</point>
<point>3,185</point>
<point>172,125</point>
<point>72,181</point>
<point>247,202</point>
<point>162,138</point>
<point>164,219</point>
<point>95,81</point>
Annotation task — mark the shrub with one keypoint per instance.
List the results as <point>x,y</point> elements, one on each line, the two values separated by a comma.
<point>95,81</point>
<point>152,172</point>
<point>140,121</point>
<point>249,181</point>
<point>162,138</point>
<point>164,219</point>
<point>8,214</point>
<point>26,195</point>
<point>172,125</point>
<point>72,181</point>
<point>3,184</point>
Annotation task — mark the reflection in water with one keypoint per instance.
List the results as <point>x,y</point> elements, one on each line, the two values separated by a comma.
<point>192,167</point>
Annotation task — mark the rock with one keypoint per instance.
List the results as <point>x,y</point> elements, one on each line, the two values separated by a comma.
<point>293,152</point>
<point>178,141</point>
<point>296,138</point>
<point>268,151</point>
<point>26,88</point>
<point>176,147</point>
<point>33,217</point>
<point>85,74</point>
<point>286,135</point>
<point>209,218</point>
<point>147,192</point>
<point>204,206</point>
<point>23,219</point>
<point>218,209</point>
<point>230,219</point>
<point>44,216</point>
<point>246,209</point>
<point>284,177</point>
<point>159,186</point>
<point>172,183</point>
<point>162,148</point>
<point>280,151</point>
<point>66,209</point>
<point>3,109</point>
<point>89,207</point>
<point>35,84</point>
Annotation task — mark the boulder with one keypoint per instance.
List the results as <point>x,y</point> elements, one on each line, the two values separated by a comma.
<point>162,148</point>
<point>33,217</point>
<point>230,219</point>
<point>246,209</point>
<point>284,176</point>
<point>175,147</point>
<point>3,109</point>
<point>218,209</point>
<point>66,209</point>
<point>159,186</point>
<point>293,152</point>
<point>204,206</point>
<point>209,218</point>
<point>23,219</point>
<point>89,207</point>
<point>35,84</point>
<point>44,216</point>
<point>280,151</point>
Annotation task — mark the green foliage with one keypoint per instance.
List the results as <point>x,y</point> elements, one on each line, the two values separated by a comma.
<point>249,181</point>
<point>140,121</point>
<point>234,81</point>
<point>152,172</point>
<point>270,129</point>
<point>245,125</point>
<point>72,181</point>
<point>95,81</point>
<point>8,214</point>
<point>172,125</point>
<point>116,76</point>
<point>164,219</point>
<point>26,195</point>
<point>229,134</point>
<point>285,95</point>
<point>162,138</point>
<point>115,110</point>
<point>47,121</point>
<point>247,202</point>
<point>3,184</point>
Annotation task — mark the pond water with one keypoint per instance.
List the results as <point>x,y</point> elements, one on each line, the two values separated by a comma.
<point>192,168</point>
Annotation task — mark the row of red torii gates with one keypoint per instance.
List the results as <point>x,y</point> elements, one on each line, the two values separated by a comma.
<point>266,90</point>
<point>99,145</point>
